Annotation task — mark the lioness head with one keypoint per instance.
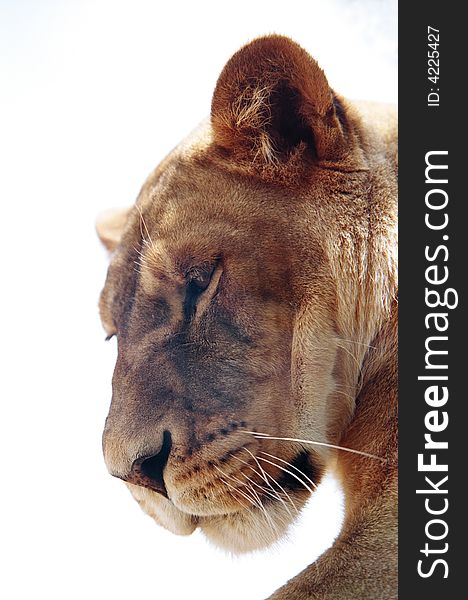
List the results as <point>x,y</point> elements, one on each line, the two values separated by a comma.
<point>244,288</point>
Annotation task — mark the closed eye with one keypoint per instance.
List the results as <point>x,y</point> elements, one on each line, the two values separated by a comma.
<point>201,288</point>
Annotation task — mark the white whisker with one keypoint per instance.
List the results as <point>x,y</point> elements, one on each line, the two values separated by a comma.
<point>273,494</point>
<point>242,484</point>
<point>264,510</point>
<point>272,479</point>
<point>142,220</point>
<point>358,363</point>
<point>344,394</point>
<point>266,436</point>
<point>287,471</point>
<point>292,466</point>
<point>238,500</point>
<point>354,342</point>
<point>255,500</point>
<point>248,498</point>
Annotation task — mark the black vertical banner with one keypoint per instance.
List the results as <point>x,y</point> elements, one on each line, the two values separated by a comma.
<point>433,273</point>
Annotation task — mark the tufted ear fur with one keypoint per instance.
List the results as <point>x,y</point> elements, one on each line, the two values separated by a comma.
<point>110,225</point>
<point>273,108</point>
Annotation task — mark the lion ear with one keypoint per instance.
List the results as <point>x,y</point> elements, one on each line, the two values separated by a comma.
<point>110,225</point>
<point>272,103</point>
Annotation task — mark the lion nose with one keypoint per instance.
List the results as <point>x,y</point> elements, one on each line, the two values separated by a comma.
<point>147,471</point>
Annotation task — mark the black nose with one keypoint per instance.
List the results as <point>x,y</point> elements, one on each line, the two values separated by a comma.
<point>147,471</point>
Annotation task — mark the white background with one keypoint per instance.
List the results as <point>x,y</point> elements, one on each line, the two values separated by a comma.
<point>93,94</point>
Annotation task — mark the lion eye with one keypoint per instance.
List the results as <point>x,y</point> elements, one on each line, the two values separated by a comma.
<point>201,279</point>
<point>198,280</point>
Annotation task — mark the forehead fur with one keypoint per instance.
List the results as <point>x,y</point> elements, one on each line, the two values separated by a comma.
<point>202,207</point>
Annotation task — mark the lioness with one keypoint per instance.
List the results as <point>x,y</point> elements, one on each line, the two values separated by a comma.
<point>252,290</point>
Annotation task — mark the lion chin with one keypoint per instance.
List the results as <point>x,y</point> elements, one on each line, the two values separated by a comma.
<point>244,530</point>
<point>163,511</point>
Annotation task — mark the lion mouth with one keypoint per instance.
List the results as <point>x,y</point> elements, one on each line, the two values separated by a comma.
<point>240,508</point>
<point>264,481</point>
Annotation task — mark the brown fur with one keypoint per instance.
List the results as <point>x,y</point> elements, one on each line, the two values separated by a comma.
<point>252,288</point>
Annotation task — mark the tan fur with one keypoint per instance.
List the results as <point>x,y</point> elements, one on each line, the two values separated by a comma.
<point>253,288</point>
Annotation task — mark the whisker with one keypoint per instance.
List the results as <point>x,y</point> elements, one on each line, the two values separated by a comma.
<point>142,260</point>
<point>354,342</point>
<point>238,500</point>
<point>266,436</point>
<point>139,263</point>
<point>273,494</point>
<point>344,394</point>
<point>265,512</point>
<point>138,251</point>
<point>242,483</point>
<point>263,509</point>
<point>292,466</point>
<point>248,498</point>
<point>142,220</point>
<point>287,471</point>
<point>256,501</point>
<point>252,482</point>
<point>358,363</point>
<point>272,478</point>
